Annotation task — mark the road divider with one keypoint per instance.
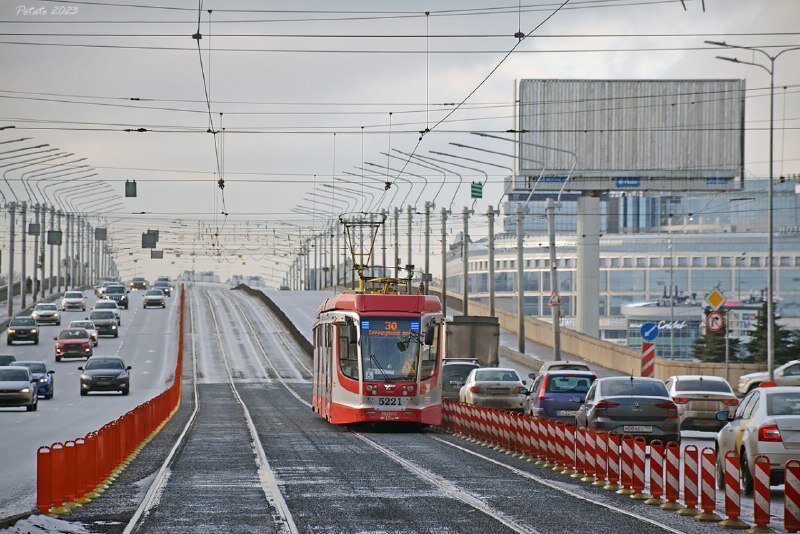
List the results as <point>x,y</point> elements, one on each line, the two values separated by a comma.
<point>74,472</point>
<point>609,460</point>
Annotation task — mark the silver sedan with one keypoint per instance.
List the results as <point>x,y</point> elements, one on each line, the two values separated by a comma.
<point>766,422</point>
<point>699,398</point>
<point>494,387</point>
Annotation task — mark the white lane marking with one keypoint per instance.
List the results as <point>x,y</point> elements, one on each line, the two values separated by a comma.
<point>448,488</point>
<point>547,483</point>
<point>153,495</point>
<point>269,482</point>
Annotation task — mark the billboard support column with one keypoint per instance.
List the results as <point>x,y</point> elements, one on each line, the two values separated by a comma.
<point>587,287</point>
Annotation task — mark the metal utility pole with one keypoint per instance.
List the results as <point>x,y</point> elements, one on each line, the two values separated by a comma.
<point>397,242</point>
<point>332,262</point>
<point>671,303</point>
<point>465,262</point>
<point>520,280</point>
<point>35,293</point>
<point>24,265</point>
<point>12,206</point>
<point>336,258</point>
<point>428,206</point>
<point>383,243</point>
<point>42,250</point>
<point>551,231</point>
<point>52,227</point>
<point>409,260</point>
<point>59,264</point>
<point>316,263</point>
<point>444,260</point>
<point>490,214</point>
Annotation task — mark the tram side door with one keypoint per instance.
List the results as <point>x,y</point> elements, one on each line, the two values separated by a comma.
<point>329,368</point>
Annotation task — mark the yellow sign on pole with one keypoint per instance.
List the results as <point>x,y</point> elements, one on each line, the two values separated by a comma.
<point>716,299</point>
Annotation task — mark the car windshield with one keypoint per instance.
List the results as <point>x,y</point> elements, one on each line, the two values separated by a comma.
<point>568,383</point>
<point>9,374</point>
<point>102,315</point>
<point>73,334</point>
<point>457,371</point>
<point>115,290</point>
<point>105,305</point>
<point>695,384</point>
<point>6,359</point>
<point>496,375</point>
<point>22,321</point>
<point>73,295</point>
<point>48,307</point>
<point>154,293</point>
<point>82,324</point>
<point>104,363</point>
<point>35,367</point>
<point>382,358</point>
<point>783,403</point>
<point>619,387</point>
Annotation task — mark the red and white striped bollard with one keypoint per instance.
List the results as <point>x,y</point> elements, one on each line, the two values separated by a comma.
<point>708,485</point>
<point>656,473</point>
<point>791,497</point>
<point>612,465</point>
<point>672,476</point>
<point>733,491</point>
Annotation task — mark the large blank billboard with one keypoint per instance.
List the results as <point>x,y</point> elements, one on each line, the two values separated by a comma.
<point>658,135</point>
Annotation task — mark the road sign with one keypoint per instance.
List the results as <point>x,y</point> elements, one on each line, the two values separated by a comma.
<point>649,331</point>
<point>477,190</point>
<point>648,359</point>
<point>714,321</point>
<point>716,299</point>
<point>555,299</point>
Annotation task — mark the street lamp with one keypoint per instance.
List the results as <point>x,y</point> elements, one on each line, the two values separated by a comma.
<point>770,276</point>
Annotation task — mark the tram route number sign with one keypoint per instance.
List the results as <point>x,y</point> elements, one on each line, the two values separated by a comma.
<point>715,321</point>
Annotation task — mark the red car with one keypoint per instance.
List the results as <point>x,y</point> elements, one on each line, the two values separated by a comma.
<point>73,343</point>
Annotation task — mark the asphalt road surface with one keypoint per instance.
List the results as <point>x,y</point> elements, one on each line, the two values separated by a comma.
<point>147,343</point>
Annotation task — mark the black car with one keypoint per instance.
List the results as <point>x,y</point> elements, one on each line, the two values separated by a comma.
<point>105,373</point>
<point>163,286</point>
<point>7,359</point>
<point>22,329</point>
<point>106,322</point>
<point>138,283</point>
<point>118,294</point>
<point>454,374</point>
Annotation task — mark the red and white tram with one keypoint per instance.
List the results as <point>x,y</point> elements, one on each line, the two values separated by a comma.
<point>377,357</point>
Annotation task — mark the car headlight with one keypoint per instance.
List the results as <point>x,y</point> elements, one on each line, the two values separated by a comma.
<point>85,377</point>
<point>55,315</point>
<point>33,330</point>
<point>123,374</point>
<point>10,331</point>
<point>113,327</point>
<point>25,390</point>
<point>42,380</point>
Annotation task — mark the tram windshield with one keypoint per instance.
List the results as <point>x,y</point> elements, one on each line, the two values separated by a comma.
<point>383,358</point>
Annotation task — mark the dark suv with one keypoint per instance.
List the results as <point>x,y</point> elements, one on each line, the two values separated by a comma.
<point>118,294</point>
<point>454,374</point>
<point>138,283</point>
<point>22,329</point>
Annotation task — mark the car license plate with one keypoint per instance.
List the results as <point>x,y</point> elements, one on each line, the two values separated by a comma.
<point>567,413</point>
<point>390,403</point>
<point>637,428</point>
<point>456,383</point>
<point>103,383</point>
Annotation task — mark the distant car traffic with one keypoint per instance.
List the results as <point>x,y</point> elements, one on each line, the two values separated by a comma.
<point>7,359</point>
<point>88,326</point>
<point>73,300</point>
<point>109,305</point>
<point>154,298</point>
<point>454,374</point>
<point>100,289</point>
<point>46,312</point>
<point>105,321</point>
<point>105,373</point>
<point>631,405</point>
<point>22,329</point>
<point>18,388</point>
<point>699,398</point>
<point>73,343</point>
<point>138,283</point>
<point>494,387</point>
<point>43,376</point>
<point>787,374</point>
<point>118,294</point>
<point>163,286</point>
<point>561,365</point>
<point>558,394</point>
<point>766,422</point>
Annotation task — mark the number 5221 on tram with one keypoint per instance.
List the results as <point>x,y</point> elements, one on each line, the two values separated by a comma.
<point>378,357</point>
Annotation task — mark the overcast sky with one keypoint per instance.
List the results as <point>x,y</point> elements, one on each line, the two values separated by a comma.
<point>285,85</point>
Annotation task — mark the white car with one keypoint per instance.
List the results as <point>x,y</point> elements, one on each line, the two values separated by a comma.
<point>109,305</point>
<point>73,300</point>
<point>787,374</point>
<point>494,387</point>
<point>766,422</point>
<point>154,298</point>
<point>46,312</point>
<point>88,326</point>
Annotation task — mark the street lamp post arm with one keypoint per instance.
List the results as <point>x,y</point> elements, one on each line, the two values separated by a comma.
<point>398,177</point>
<point>362,193</point>
<point>382,189</point>
<point>424,178</point>
<point>438,168</point>
<point>27,163</point>
<point>62,182</point>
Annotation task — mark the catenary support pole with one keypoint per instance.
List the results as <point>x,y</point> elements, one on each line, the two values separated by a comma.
<point>520,279</point>
<point>12,206</point>
<point>490,215</point>
<point>556,310</point>
<point>587,285</point>
<point>444,260</point>
<point>465,263</point>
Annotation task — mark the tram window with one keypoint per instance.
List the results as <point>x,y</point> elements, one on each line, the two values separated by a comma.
<point>348,353</point>
<point>430,355</point>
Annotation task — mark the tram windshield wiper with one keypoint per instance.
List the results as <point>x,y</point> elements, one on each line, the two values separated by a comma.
<point>380,368</point>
